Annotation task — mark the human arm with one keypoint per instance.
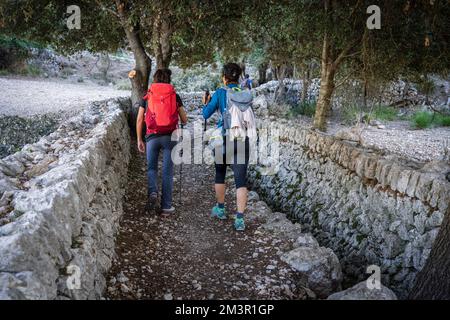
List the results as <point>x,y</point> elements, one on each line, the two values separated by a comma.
<point>183,115</point>
<point>181,111</point>
<point>212,104</point>
<point>139,127</point>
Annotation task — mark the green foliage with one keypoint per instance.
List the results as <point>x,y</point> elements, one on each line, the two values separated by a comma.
<point>197,79</point>
<point>307,108</point>
<point>423,119</point>
<point>13,52</point>
<point>426,119</point>
<point>442,120</point>
<point>426,85</point>
<point>384,113</point>
<point>30,70</point>
<point>352,113</point>
<point>24,46</point>
<point>13,55</point>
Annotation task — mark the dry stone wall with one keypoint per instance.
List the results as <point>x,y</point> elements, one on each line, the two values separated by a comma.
<point>368,207</point>
<point>61,200</point>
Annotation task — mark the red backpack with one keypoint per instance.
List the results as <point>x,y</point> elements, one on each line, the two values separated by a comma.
<point>161,116</point>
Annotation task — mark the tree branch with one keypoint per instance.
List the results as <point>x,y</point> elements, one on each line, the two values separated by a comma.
<point>345,53</point>
<point>344,80</point>
<point>104,8</point>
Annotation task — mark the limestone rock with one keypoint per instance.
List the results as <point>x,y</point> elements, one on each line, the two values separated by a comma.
<point>261,106</point>
<point>353,134</point>
<point>281,225</point>
<point>41,167</point>
<point>360,291</point>
<point>318,267</point>
<point>306,240</point>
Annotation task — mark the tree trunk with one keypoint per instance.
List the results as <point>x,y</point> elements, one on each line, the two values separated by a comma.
<point>433,282</point>
<point>243,68</point>
<point>280,91</point>
<point>162,40</point>
<point>274,73</point>
<point>365,93</point>
<point>143,67</point>
<point>328,71</point>
<point>262,73</point>
<point>139,77</point>
<point>305,85</point>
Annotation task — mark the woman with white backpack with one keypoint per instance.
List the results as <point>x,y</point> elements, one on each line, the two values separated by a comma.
<point>237,124</point>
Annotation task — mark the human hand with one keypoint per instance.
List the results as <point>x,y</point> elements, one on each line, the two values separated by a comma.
<point>206,98</point>
<point>141,146</point>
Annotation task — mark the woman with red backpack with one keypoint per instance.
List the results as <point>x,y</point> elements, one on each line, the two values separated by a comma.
<point>160,110</point>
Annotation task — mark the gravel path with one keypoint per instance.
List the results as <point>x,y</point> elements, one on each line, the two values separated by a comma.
<point>190,255</point>
<point>27,97</point>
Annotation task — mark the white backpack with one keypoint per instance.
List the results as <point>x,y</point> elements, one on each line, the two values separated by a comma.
<point>238,116</point>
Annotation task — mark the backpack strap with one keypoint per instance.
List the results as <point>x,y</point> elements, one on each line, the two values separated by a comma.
<point>228,89</point>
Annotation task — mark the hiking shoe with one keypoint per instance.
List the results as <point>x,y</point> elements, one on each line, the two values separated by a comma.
<point>151,202</point>
<point>218,213</point>
<point>168,211</point>
<point>239,224</point>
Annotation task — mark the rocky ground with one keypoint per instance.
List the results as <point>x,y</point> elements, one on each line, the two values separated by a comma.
<point>191,256</point>
<point>396,137</point>
<point>32,108</point>
<point>30,97</point>
<point>16,131</point>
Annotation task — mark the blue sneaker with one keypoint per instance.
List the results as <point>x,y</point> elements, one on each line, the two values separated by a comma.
<point>218,213</point>
<point>239,224</point>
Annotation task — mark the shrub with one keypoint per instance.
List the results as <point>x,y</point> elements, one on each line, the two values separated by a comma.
<point>442,120</point>
<point>352,114</point>
<point>423,119</point>
<point>13,52</point>
<point>30,70</point>
<point>426,119</point>
<point>196,79</point>
<point>384,113</point>
<point>307,108</point>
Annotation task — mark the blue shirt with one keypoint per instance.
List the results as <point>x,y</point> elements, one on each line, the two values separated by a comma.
<point>218,102</point>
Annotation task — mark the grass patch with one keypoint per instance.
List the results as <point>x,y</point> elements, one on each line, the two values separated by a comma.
<point>384,113</point>
<point>426,119</point>
<point>423,119</point>
<point>307,108</point>
<point>30,70</point>
<point>442,120</point>
<point>353,113</point>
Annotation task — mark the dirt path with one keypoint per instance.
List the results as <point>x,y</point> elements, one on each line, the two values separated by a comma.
<point>189,255</point>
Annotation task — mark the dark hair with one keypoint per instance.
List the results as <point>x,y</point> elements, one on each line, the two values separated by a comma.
<point>231,72</point>
<point>162,76</point>
<point>247,76</point>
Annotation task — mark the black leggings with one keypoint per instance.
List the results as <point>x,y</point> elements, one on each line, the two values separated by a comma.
<point>238,163</point>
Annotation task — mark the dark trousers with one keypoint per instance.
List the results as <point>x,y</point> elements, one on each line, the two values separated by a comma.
<point>237,158</point>
<point>165,145</point>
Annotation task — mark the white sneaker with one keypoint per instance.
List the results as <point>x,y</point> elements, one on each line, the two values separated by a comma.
<point>168,211</point>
